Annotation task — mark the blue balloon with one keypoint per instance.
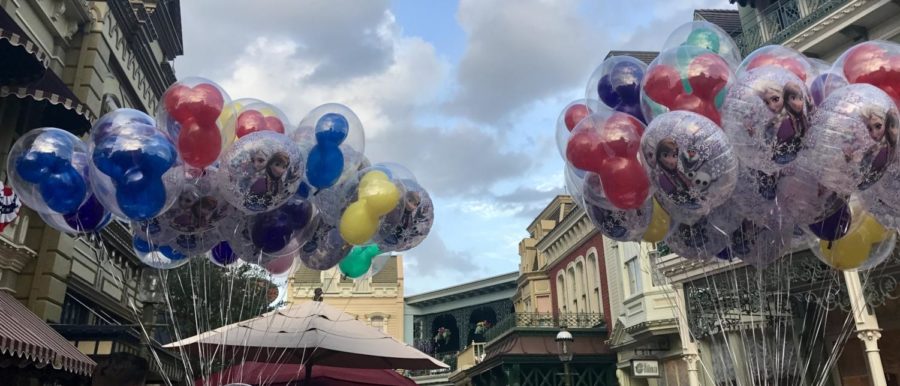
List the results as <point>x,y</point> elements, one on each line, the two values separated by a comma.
<point>140,201</point>
<point>61,186</point>
<point>324,165</point>
<point>90,217</point>
<point>142,246</point>
<point>137,174</point>
<point>332,129</point>
<point>223,255</point>
<point>167,251</point>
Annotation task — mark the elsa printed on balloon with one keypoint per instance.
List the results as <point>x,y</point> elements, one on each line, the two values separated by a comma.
<point>674,169</point>
<point>881,124</point>
<point>791,122</point>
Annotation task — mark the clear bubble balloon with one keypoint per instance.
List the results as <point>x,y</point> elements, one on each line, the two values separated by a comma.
<point>135,170</point>
<point>409,223</point>
<point>617,84</point>
<point>574,180</point>
<point>570,116</point>
<point>707,36</point>
<point>700,240</point>
<point>260,172</point>
<point>325,248</point>
<point>767,115</point>
<point>260,116</point>
<point>195,244</point>
<point>90,217</point>
<point>196,113</point>
<point>875,62</point>
<point>236,231</point>
<point>686,78</point>
<point>690,163</point>
<point>782,57</point>
<point>758,243</point>
<point>159,260</point>
<point>200,206</point>
<point>48,170</point>
<point>866,246</point>
<point>333,130</point>
<point>854,141</point>
<point>621,225</point>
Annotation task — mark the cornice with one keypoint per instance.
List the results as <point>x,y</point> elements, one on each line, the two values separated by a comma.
<point>815,30</point>
<point>566,237</point>
<point>14,256</point>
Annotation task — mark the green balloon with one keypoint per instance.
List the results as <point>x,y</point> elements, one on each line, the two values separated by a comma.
<point>703,38</point>
<point>358,261</point>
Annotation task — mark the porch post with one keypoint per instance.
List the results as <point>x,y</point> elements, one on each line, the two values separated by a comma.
<point>689,351</point>
<point>866,327</point>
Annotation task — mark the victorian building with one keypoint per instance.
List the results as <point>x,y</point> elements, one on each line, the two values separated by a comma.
<point>62,64</point>
<point>562,286</point>
<point>377,300</point>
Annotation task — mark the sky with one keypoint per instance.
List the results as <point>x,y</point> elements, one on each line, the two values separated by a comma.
<point>464,93</point>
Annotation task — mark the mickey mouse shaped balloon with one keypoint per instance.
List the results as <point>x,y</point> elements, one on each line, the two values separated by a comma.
<point>686,78</point>
<point>135,169</point>
<point>617,83</point>
<point>44,171</point>
<point>190,114</point>
<point>336,134</point>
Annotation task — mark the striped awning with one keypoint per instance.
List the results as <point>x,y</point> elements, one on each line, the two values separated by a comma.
<point>21,60</point>
<point>24,335</point>
<point>51,104</point>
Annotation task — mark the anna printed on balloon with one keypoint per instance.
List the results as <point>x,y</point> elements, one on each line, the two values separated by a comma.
<point>675,171</point>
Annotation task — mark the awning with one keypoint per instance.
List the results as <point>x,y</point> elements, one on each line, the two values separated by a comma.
<point>24,335</point>
<point>48,102</point>
<point>256,373</point>
<point>21,61</point>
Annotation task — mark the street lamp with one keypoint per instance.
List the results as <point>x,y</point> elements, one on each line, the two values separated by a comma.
<point>563,338</point>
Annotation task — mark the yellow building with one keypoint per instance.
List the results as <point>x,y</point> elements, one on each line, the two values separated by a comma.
<point>378,300</point>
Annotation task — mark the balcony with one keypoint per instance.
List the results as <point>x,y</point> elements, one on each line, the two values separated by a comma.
<point>526,320</point>
<point>779,21</point>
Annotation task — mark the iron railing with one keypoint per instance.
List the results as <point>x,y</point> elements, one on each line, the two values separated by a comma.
<point>544,320</point>
<point>779,21</point>
<point>449,359</point>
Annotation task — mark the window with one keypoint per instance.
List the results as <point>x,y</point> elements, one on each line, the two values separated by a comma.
<point>633,267</point>
<point>378,322</point>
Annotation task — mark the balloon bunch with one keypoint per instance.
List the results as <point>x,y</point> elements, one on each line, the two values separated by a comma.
<point>228,180</point>
<point>741,159</point>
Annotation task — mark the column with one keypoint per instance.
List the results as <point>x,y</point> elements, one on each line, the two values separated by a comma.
<point>866,327</point>
<point>689,351</point>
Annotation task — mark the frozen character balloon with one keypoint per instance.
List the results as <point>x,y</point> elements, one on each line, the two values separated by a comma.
<point>690,162</point>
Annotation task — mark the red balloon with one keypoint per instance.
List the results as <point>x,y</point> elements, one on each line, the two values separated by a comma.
<point>708,74</point>
<point>575,114</point>
<point>868,63</point>
<point>625,183</point>
<point>621,136</point>
<point>584,152</point>
<point>694,104</point>
<point>248,122</point>
<point>199,143</point>
<point>791,64</point>
<point>202,103</point>
<point>663,84</point>
<point>274,124</point>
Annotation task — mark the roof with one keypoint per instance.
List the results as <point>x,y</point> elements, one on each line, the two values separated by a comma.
<point>490,284</point>
<point>24,334</point>
<point>644,56</point>
<point>727,19</point>
<point>744,3</point>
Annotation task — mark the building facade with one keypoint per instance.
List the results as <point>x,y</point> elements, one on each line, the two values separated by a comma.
<point>562,284</point>
<point>451,323</point>
<point>377,300</point>
<point>77,60</point>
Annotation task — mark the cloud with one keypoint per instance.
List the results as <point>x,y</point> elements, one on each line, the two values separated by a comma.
<point>433,259</point>
<point>518,54</point>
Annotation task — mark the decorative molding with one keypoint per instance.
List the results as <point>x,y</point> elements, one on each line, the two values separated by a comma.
<point>869,335</point>
<point>652,324</point>
<point>816,29</point>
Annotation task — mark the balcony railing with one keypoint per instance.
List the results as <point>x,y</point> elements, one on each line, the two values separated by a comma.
<point>544,320</point>
<point>779,21</point>
<point>449,359</point>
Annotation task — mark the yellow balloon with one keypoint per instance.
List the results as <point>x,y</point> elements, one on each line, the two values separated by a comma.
<point>357,224</point>
<point>227,120</point>
<point>853,250</point>
<point>659,224</point>
<point>380,194</point>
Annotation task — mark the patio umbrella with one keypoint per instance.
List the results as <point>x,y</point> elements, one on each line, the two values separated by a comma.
<point>312,333</point>
<point>255,373</point>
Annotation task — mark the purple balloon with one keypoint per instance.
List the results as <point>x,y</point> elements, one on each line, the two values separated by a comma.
<point>621,87</point>
<point>223,255</point>
<point>271,231</point>
<point>90,216</point>
<point>835,226</point>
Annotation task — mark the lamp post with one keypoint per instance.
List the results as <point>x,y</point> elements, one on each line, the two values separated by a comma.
<point>563,338</point>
